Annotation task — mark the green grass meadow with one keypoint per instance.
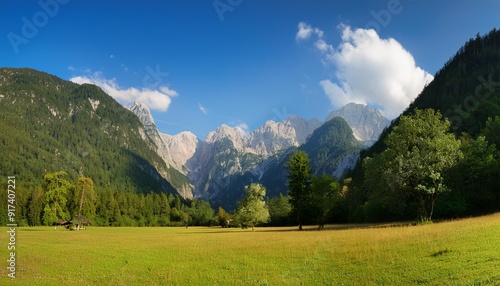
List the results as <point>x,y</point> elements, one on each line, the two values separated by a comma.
<point>462,252</point>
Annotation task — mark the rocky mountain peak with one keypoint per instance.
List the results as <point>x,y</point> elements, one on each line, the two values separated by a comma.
<point>303,127</point>
<point>267,139</point>
<point>186,136</point>
<point>272,137</point>
<point>181,148</point>
<point>366,123</point>
<point>143,112</point>
<point>224,131</point>
<point>228,153</point>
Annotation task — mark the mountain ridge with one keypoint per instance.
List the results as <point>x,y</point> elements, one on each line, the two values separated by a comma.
<point>228,157</point>
<point>215,168</point>
<point>60,125</point>
<point>367,127</point>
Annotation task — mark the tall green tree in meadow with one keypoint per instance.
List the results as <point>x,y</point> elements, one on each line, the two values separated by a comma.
<point>252,209</point>
<point>326,194</point>
<point>419,151</point>
<point>164,217</point>
<point>299,185</point>
<point>279,210</point>
<point>201,212</point>
<point>223,217</point>
<point>84,198</point>
<point>55,188</point>
<point>35,208</point>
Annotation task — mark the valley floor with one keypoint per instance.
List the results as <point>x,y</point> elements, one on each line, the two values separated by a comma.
<point>462,252</point>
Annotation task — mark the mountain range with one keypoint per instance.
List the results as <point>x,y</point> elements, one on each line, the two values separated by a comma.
<point>49,124</point>
<point>219,166</point>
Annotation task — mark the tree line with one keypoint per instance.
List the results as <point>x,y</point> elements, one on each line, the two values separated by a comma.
<point>58,199</point>
<point>424,171</point>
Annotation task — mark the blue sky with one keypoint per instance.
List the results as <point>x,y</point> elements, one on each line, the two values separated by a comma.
<point>200,64</point>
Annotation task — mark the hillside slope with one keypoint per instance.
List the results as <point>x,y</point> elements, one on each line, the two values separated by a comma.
<point>48,124</point>
<point>466,91</point>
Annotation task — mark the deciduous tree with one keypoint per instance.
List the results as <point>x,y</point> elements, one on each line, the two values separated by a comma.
<point>55,197</point>
<point>84,198</point>
<point>279,209</point>
<point>299,185</point>
<point>325,195</point>
<point>419,150</point>
<point>223,217</point>
<point>252,208</point>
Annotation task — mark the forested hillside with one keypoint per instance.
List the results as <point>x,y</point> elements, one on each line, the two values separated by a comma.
<point>465,89</point>
<point>332,148</point>
<point>466,92</point>
<point>48,124</point>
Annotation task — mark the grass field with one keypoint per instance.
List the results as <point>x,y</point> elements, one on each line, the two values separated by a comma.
<point>463,252</point>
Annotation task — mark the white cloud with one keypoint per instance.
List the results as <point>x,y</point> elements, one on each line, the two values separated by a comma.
<point>371,70</point>
<point>155,99</point>
<point>170,92</point>
<point>339,96</point>
<point>305,31</point>
<point>323,46</point>
<point>242,128</point>
<point>71,68</point>
<point>202,109</point>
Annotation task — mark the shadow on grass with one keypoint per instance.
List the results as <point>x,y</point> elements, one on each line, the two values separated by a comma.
<point>330,227</point>
<point>35,228</point>
<point>215,229</point>
<point>441,252</point>
<point>337,227</point>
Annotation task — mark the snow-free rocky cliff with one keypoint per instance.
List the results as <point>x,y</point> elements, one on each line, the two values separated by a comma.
<point>174,150</point>
<point>269,138</point>
<point>367,124</point>
<point>228,157</point>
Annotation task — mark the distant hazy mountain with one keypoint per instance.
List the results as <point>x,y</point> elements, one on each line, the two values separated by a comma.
<point>60,125</point>
<point>367,124</point>
<point>220,166</point>
<point>182,148</point>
